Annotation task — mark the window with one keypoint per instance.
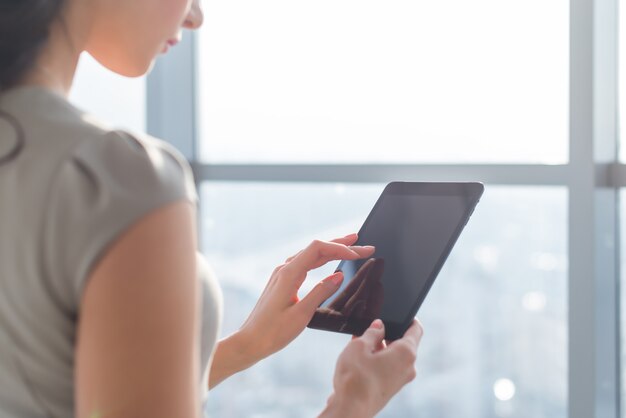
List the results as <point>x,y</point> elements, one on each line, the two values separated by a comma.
<point>495,318</point>
<point>332,81</point>
<point>282,107</point>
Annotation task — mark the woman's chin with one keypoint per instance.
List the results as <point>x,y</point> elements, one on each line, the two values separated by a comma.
<point>137,70</point>
<point>131,69</point>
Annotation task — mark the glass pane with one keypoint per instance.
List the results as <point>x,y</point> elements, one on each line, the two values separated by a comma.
<point>622,80</point>
<point>495,341</point>
<point>364,81</point>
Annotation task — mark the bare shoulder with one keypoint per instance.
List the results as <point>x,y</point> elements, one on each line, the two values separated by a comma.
<point>136,347</point>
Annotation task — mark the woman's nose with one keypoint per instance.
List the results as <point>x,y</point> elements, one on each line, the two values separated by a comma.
<point>195,17</point>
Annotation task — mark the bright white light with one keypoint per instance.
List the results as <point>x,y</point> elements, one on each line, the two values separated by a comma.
<point>504,389</point>
<point>534,301</point>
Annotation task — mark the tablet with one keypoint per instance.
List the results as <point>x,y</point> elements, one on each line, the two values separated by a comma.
<point>413,227</point>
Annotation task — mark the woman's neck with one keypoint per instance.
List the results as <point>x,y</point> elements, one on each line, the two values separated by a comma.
<point>53,73</point>
<point>56,65</point>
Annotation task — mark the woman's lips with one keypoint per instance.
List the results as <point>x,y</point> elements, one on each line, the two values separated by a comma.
<point>168,44</point>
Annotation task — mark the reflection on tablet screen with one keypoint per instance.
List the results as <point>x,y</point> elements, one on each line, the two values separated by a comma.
<point>362,297</point>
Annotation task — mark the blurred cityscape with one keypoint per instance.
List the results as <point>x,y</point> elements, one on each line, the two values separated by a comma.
<point>495,342</point>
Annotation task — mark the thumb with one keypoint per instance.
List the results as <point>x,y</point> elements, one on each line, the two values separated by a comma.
<point>322,291</point>
<point>374,335</point>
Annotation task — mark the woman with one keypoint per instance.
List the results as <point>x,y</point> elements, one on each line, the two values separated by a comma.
<point>106,309</point>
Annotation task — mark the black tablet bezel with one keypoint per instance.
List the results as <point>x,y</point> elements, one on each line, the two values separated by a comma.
<point>472,191</point>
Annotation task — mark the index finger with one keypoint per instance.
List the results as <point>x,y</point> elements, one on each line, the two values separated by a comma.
<point>347,240</point>
<point>319,253</point>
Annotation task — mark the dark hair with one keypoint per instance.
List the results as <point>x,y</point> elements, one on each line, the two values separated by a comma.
<point>24,30</point>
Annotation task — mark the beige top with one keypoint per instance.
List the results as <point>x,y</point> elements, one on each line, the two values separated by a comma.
<point>68,188</point>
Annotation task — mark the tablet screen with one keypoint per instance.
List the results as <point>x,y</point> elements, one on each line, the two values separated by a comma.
<point>413,230</point>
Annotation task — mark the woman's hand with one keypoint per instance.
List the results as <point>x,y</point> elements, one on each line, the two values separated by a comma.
<point>369,372</point>
<point>279,315</point>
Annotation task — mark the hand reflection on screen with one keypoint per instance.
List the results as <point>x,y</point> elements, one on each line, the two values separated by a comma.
<point>361,299</point>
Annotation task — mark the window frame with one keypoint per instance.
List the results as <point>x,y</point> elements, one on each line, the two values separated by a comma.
<point>593,177</point>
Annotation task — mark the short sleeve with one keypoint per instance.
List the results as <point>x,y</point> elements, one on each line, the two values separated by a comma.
<point>105,186</point>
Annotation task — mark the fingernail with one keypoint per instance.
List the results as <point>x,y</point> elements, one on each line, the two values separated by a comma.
<point>336,278</point>
<point>350,235</point>
<point>378,324</point>
<point>364,247</point>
